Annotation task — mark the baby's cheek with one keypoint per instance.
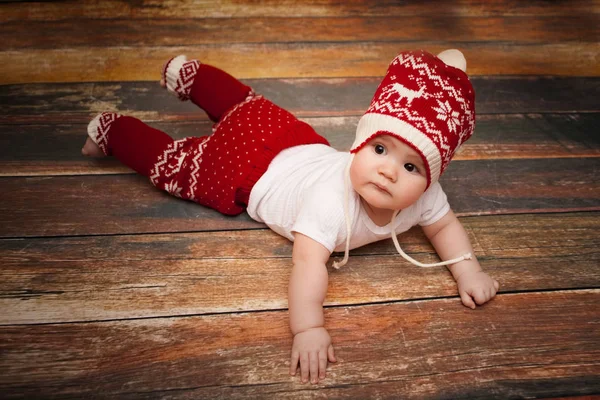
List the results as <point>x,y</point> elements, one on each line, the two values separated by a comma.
<point>355,175</point>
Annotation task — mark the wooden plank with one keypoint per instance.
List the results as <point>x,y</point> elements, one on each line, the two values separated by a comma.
<point>294,60</point>
<point>524,345</point>
<point>118,277</point>
<point>121,204</point>
<point>518,186</point>
<point>532,136</point>
<point>167,32</point>
<point>54,149</point>
<point>78,102</point>
<point>49,11</point>
<point>115,204</point>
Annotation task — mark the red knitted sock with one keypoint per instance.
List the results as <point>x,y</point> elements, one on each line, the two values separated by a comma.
<point>210,88</point>
<point>178,74</point>
<point>98,130</point>
<point>131,141</point>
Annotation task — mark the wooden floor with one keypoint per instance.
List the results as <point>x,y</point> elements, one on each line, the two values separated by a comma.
<point>110,288</point>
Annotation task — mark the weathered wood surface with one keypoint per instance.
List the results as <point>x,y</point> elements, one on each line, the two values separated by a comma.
<point>521,345</point>
<point>193,31</point>
<point>260,40</point>
<point>54,149</point>
<point>121,277</point>
<point>291,60</point>
<point>113,9</point>
<point>312,97</point>
<point>112,289</point>
<point>125,204</point>
<point>516,118</point>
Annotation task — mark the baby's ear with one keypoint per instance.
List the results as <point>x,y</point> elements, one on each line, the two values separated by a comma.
<point>454,58</point>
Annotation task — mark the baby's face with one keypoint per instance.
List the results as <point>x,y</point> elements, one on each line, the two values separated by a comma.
<point>388,174</point>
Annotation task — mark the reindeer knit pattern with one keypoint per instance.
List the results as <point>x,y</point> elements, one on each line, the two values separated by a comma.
<point>217,171</point>
<point>425,103</point>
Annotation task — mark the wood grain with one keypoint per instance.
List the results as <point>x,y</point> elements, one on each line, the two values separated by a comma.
<point>416,349</point>
<point>296,60</point>
<point>516,186</point>
<point>316,97</point>
<point>54,149</point>
<point>282,29</point>
<point>125,204</point>
<point>36,141</point>
<point>118,277</point>
<point>102,205</point>
<point>112,289</point>
<point>64,10</point>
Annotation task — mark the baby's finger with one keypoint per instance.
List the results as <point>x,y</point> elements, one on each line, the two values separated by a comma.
<point>479,296</point>
<point>496,285</point>
<point>294,362</point>
<point>331,354</point>
<point>467,300</point>
<point>322,364</point>
<point>304,367</point>
<point>314,367</point>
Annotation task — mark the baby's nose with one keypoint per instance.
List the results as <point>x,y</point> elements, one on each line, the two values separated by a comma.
<point>389,172</point>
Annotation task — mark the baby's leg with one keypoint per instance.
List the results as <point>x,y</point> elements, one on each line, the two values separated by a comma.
<point>148,151</point>
<point>132,142</point>
<point>210,88</point>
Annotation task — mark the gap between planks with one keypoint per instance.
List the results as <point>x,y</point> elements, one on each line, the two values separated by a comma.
<point>46,280</point>
<point>514,339</point>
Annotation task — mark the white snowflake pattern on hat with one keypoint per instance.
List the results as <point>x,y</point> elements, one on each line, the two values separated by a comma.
<point>424,102</point>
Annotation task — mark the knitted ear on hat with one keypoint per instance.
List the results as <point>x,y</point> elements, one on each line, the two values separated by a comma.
<point>427,102</point>
<point>454,58</point>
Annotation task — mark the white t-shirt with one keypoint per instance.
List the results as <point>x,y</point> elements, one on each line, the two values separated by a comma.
<point>303,191</point>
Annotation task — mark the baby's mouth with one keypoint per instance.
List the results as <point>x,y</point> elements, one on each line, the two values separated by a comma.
<point>381,188</point>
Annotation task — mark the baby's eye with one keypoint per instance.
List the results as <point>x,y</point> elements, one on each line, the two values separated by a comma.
<point>411,167</point>
<point>379,149</point>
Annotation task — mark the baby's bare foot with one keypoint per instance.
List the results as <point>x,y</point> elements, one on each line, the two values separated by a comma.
<point>91,149</point>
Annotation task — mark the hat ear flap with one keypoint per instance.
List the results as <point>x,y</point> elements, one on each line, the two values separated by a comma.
<point>454,58</point>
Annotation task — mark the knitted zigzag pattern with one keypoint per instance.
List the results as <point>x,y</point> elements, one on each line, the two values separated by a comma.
<point>179,74</point>
<point>98,129</point>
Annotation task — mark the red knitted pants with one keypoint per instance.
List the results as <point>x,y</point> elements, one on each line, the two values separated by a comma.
<point>217,171</point>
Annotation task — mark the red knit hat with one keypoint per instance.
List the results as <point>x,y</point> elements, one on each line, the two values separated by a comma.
<point>427,102</point>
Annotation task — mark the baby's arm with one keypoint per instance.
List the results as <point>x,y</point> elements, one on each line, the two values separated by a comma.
<point>308,287</point>
<point>450,240</point>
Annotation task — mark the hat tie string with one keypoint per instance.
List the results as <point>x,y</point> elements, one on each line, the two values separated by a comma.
<point>411,260</point>
<point>339,264</point>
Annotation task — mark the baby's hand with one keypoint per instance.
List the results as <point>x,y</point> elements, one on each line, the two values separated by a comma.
<point>312,348</point>
<point>477,286</point>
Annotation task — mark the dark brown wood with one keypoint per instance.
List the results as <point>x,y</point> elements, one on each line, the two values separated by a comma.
<point>79,102</point>
<point>296,60</point>
<point>61,10</point>
<point>186,32</point>
<point>101,205</point>
<point>123,204</point>
<point>54,149</point>
<point>332,106</point>
<point>119,277</point>
<point>517,186</point>
<point>408,349</point>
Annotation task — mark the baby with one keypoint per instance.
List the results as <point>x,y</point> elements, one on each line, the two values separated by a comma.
<point>261,159</point>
